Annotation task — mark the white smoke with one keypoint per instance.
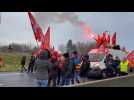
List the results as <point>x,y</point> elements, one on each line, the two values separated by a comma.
<point>45,18</point>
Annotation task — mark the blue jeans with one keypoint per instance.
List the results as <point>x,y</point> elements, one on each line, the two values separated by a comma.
<point>77,76</point>
<point>65,80</point>
<point>42,83</point>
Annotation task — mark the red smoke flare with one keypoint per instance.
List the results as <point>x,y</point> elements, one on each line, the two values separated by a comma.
<point>88,33</point>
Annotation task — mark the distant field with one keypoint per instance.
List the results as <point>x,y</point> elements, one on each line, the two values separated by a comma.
<point>12,61</point>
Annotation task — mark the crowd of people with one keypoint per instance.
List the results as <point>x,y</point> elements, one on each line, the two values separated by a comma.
<point>116,66</point>
<point>54,70</point>
<point>59,70</point>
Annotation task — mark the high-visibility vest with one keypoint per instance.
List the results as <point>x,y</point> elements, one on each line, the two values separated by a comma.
<point>124,66</point>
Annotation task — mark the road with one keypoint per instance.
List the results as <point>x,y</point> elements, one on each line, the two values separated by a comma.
<point>27,80</point>
<point>17,80</point>
<point>120,81</point>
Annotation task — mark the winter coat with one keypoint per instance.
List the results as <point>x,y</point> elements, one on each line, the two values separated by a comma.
<point>41,66</point>
<point>68,67</point>
<point>41,69</point>
<point>52,71</point>
<point>85,67</point>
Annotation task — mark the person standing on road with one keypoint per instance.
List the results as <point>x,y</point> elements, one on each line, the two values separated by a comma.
<point>116,64</point>
<point>109,66</point>
<point>60,68</point>
<point>41,66</point>
<point>31,64</point>
<point>85,67</point>
<point>23,62</point>
<point>77,64</point>
<point>67,70</point>
<point>53,70</point>
<point>124,66</point>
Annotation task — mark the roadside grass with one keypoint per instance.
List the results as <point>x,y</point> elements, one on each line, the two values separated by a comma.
<point>12,61</point>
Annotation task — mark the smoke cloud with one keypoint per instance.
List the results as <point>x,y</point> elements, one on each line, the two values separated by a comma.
<point>57,17</point>
<point>45,18</point>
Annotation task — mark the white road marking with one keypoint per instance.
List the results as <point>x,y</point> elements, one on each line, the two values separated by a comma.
<point>91,82</point>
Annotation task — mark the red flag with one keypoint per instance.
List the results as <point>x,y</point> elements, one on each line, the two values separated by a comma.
<point>108,39</point>
<point>35,53</point>
<point>99,40</point>
<point>36,28</point>
<point>114,39</point>
<point>104,40</point>
<point>45,41</point>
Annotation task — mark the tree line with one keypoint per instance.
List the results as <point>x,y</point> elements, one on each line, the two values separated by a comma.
<point>15,47</point>
<point>81,47</point>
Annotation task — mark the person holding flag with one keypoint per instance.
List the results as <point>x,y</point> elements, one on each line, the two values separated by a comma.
<point>41,67</point>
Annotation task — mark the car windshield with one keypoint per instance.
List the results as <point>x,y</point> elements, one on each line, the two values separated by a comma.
<point>96,57</point>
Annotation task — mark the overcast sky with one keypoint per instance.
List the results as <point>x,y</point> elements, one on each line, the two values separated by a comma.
<point>16,27</point>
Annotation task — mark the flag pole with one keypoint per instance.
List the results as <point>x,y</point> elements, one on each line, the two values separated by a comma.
<point>33,33</point>
<point>37,43</point>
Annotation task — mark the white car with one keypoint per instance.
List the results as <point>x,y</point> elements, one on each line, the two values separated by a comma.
<point>97,57</point>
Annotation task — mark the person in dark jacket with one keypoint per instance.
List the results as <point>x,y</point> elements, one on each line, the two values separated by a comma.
<point>116,64</point>
<point>41,66</point>
<point>52,71</point>
<point>85,68</point>
<point>109,66</point>
<point>60,69</point>
<point>23,62</point>
<point>31,64</point>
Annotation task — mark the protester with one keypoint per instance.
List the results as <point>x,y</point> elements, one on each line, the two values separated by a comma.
<point>67,70</point>
<point>60,68</point>
<point>23,62</point>
<point>77,64</point>
<point>41,67</point>
<point>53,70</point>
<point>124,66</point>
<point>31,64</point>
<point>109,65</point>
<point>116,64</point>
<point>85,68</point>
